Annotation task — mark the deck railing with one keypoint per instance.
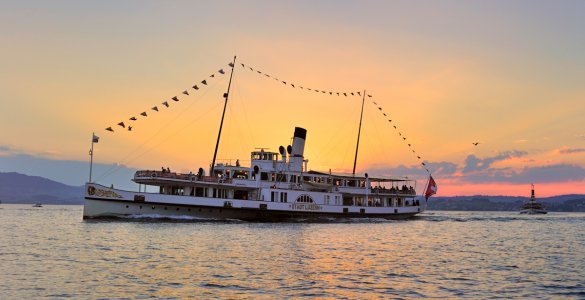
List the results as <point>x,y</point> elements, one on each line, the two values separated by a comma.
<point>180,176</point>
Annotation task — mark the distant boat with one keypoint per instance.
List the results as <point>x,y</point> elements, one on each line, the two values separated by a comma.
<point>38,205</point>
<point>532,207</point>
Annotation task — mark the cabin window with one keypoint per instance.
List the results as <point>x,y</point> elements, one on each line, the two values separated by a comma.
<point>263,176</point>
<point>281,177</point>
<point>219,193</point>
<point>242,195</point>
<point>239,174</point>
<point>326,199</point>
<point>305,199</point>
<point>273,195</point>
<point>347,201</point>
<point>200,192</point>
<point>293,178</point>
<point>272,177</point>
<point>283,197</point>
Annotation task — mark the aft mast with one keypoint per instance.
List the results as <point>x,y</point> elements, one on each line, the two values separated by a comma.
<point>226,95</point>
<point>359,132</point>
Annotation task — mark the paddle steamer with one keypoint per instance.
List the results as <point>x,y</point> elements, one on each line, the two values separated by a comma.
<point>276,186</point>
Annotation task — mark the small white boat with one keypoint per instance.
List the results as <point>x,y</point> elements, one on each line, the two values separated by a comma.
<point>532,207</point>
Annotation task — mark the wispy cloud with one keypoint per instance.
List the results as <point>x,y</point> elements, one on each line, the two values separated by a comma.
<point>571,150</point>
<point>473,163</point>
<point>542,174</point>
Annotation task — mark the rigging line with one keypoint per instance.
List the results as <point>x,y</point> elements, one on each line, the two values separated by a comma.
<point>245,113</point>
<point>229,131</point>
<point>298,86</point>
<point>127,159</point>
<point>167,137</point>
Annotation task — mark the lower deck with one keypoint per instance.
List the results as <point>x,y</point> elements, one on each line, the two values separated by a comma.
<point>101,202</point>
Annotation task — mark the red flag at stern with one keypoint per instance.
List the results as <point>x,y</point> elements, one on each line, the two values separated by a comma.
<point>431,188</point>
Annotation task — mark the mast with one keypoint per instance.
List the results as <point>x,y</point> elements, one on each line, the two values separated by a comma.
<point>226,95</point>
<point>94,139</point>
<point>359,132</point>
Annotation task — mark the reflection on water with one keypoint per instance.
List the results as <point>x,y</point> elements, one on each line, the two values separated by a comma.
<point>51,252</point>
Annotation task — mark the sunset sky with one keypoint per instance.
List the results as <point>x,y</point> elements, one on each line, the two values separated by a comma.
<point>507,74</point>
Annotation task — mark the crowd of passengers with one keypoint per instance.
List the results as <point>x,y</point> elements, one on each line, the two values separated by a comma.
<point>405,189</point>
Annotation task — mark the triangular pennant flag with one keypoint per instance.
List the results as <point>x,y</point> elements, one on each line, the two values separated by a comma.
<point>259,72</point>
<point>212,75</point>
<point>143,113</point>
<point>418,157</point>
<point>375,103</point>
<point>133,119</point>
<point>266,75</point>
<point>389,120</point>
<point>122,124</point>
<point>284,82</point>
<point>345,94</point>
<point>232,65</point>
<point>186,93</point>
<point>221,71</point>
<point>369,95</point>
<point>129,128</point>
<point>204,82</point>
<point>155,108</point>
<point>195,87</point>
<point>310,89</point>
<point>394,127</point>
<point>384,114</point>
<point>110,129</point>
<point>166,104</point>
<point>408,145</point>
<point>330,93</point>
<point>292,85</point>
<point>352,94</point>
<point>251,69</point>
<point>301,88</point>
<point>175,98</point>
<point>337,93</point>
<point>404,138</point>
<point>379,108</point>
<point>317,91</point>
<point>423,164</point>
<point>323,92</point>
<point>359,93</point>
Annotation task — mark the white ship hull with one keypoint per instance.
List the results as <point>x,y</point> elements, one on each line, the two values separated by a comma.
<point>533,211</point>
<point>104,202</point>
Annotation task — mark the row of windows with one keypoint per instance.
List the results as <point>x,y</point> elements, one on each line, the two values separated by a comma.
<point>177,209</point>
<point>274,196</point>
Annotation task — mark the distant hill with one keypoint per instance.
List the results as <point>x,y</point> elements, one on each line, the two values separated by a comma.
<point>566,203</point>
<point>20,188</point>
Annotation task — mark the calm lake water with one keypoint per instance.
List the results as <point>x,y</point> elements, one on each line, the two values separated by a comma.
<point>50,252</point>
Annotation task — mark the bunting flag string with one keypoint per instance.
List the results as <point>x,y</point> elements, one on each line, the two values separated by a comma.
<point>296,85</point>
<point>400,134</point>
<point>345,94</point>
<point>166,104</point>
